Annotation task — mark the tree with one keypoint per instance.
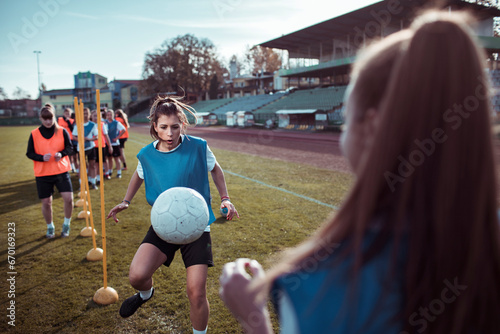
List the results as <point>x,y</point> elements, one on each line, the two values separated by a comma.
<point>214,86</point>
<point>182,63</point>
<point>260,58</point>
<point>3,94</point>
<point>20,93</point>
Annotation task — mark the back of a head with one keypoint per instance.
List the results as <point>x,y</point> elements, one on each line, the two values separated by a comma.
<point>432,163</point>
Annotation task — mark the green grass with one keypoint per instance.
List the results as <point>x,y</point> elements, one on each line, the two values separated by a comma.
<point>54,284</point>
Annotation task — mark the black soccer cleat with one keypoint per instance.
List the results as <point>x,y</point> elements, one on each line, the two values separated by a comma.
<point>131,304</point>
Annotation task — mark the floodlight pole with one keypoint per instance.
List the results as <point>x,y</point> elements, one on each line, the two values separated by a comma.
<point>38,69</point>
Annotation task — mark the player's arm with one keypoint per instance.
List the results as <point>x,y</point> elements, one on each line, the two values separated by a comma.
<point>220,184</point>
<point>30,151</point>
<point>133,186</point>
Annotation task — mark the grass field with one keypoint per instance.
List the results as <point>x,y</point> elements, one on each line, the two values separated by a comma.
<point>54,284</point>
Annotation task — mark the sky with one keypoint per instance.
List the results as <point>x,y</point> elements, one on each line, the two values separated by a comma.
<point>111,37</point>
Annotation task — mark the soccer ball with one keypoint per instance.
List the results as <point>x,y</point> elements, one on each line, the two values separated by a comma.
<point>179,215</point>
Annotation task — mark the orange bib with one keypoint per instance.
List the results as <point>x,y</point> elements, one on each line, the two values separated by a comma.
<point>53,145</point>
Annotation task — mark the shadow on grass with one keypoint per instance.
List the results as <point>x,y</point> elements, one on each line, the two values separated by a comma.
<point>220,220</point>
<point>42,242</point>
<point>19,195</point>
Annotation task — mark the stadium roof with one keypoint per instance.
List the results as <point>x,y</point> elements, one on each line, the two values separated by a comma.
<point>313,41</point>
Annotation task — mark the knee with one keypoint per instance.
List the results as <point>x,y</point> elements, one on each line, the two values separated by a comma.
<point>137,279</point>
<point>47,203</point>
<point>197,297</point>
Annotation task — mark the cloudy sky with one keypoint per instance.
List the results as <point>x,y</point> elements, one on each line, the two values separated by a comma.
<point>111,37</point>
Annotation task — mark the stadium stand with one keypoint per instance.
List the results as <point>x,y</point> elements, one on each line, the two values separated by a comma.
<point>319,98</point>
<point>248,103</point>
<point>210,105</point>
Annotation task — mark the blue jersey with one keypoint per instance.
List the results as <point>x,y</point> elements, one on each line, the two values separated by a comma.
<point>322,299</point>
<point>184,167</point>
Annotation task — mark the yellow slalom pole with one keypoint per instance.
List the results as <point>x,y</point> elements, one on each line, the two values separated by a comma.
<point>82,192</point>
<point>85,232</point>
<point>105,295</point>
<point>95,254</point>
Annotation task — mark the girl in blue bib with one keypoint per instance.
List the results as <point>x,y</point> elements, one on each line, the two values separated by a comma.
<point>174,159</point>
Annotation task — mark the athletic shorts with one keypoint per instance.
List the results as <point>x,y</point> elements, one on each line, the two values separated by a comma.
<point>96,153</point>
<point>122,142</point>
<point>90,154</point>
<point>197,252</point>
<point>45,184</point>
<point>116,151</point>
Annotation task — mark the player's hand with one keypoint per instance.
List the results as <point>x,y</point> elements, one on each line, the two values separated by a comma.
<point>46,157</point>
<point>120,207</point>
<point>58,156</point>
<point>231,210</point>
<point>110,149</point>
<point>244,300</point>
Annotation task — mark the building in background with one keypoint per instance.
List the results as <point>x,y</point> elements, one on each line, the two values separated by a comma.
<point>113,95</point>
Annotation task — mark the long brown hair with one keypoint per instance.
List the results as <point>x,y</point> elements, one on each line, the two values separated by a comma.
<point>170,105</point>
<point>430,169</point>
<point>48,111</point>
<point>123,115</point>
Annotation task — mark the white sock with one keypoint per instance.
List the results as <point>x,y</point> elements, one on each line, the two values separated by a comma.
<point>67,221</point>
<point>110,171</point>
<point>77,170</point>
<point>119,172</point>
<point>98,178</point>
<point>145,295</point>
<point>92,180</point>
<point>51,225</point>
<point>200,332</point>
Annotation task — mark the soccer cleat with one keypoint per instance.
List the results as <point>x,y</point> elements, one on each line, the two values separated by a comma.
<point>119,176</point>
<point>65,231</point>
<point>107,177</point>
<point>93,186</point>
<point>131,304</point>
<point>50,233</point>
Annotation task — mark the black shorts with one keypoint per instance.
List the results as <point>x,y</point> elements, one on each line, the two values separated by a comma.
<point>122,142</point>
<point>96,153</point>
<point>90,154</point>
<point>45,184</point>
<point>197,252</point>
<point>116,151</point>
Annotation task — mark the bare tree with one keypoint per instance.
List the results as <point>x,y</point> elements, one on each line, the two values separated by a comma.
<point>20,93</point>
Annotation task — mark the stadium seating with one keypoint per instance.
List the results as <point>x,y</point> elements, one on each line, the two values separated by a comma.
<point>248,103</point>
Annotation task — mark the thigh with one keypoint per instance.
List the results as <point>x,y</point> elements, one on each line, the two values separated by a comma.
<point>147,260</point>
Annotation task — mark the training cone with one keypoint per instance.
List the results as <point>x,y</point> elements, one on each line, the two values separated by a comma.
<point>95,254</point>
<point>87,232</point>
<point>106,296</point>
<point>82,214</point>
<point>80,203</point>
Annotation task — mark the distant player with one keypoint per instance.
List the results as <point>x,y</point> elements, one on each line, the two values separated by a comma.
<point>115,130</point>
<point>174,159</point>
<point>122,117</point>
<point>90,134</point>
<point>68,123</point>
<point>48,147</point>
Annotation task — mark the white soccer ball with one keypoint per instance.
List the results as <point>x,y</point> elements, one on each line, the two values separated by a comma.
<point>179,215</point>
